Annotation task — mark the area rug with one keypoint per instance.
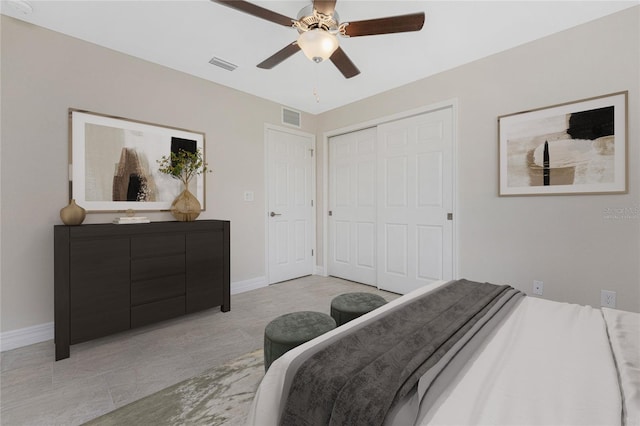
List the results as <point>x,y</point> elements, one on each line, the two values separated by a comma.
<point>219,396</point>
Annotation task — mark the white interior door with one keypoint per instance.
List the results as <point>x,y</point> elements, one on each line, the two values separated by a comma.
<point>352,202</point>
<point>415,195</point>
<point>290,209</point>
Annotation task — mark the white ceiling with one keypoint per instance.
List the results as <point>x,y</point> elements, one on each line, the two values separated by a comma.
<point>185,35</point>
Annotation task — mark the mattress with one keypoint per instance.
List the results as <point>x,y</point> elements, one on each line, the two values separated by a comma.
<point>544,363</point>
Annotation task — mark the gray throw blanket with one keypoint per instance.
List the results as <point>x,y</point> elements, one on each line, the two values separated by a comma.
<point>356,379</point>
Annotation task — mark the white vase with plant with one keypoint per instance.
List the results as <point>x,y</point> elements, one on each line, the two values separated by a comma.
<point>184,166</point>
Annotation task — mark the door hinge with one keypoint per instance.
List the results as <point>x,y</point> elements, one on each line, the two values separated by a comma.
<point>330,213</point>
<point>311,203</point>
<point>311,150</point>
<point>311,252</point>
<point>449,216</point>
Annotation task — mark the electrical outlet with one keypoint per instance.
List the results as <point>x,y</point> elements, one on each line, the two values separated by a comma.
<point>608,298</point>
<point>538,287</point>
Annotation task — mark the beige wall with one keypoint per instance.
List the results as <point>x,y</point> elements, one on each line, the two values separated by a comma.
<point>43,74</point>
<point>564,241</point>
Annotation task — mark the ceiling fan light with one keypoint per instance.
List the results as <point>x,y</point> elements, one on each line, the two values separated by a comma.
<point>318,45</point>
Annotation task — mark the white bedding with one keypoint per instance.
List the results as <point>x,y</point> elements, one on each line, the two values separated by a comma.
<point>624,334</point>
<point>547,363</point>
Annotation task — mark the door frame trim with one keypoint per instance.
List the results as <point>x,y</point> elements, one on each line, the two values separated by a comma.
<point>267,128</point>
<point>451,103</point>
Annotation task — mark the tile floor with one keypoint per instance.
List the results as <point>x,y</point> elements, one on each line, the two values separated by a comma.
<point>107,373</point>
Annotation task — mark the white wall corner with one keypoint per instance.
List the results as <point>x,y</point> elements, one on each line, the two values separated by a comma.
<point>26,336</point>
<point>319,270</point>
<point>247,285</point>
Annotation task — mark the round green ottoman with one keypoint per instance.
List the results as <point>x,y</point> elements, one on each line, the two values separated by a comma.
<point>290,330</point>
<point>349,306</point>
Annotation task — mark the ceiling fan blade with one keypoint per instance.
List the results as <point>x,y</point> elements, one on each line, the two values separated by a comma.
<point>279,56</point>
<point>344,64</point>
<point>391,24</point>
<point>260,12</point>
<point>326,7</point>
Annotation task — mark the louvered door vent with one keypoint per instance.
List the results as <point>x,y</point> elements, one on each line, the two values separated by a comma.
<point>290,117</point>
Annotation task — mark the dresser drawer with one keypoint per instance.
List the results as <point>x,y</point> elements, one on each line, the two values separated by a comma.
<point>160,288</point>
<point>157,311</point>
<point>157,245</point>
<point>155,267</point>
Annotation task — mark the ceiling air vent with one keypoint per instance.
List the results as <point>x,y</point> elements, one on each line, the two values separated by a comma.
<point>290,117</point>
<point>223,64</point>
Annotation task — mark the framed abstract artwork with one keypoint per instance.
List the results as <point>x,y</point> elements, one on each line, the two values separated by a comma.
<point>114,163</point>
<point>573,148</point>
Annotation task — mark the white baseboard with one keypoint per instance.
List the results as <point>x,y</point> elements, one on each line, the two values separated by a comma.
<point>247,285</point>
<point>40,333</point>
<point>26,336</point>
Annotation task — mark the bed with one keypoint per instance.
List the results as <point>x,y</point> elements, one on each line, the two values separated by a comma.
<point>519,360</point>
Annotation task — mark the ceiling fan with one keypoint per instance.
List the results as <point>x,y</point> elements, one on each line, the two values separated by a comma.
<point>318,25</point>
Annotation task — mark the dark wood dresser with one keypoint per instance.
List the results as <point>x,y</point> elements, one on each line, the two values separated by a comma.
<point>109,278</point>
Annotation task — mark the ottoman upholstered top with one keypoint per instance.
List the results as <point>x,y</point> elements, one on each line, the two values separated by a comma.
<point>349,306</point>
<point>298,327</point>
<point>290,330</point>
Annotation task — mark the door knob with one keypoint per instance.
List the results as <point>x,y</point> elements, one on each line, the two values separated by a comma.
<point>272,214</point>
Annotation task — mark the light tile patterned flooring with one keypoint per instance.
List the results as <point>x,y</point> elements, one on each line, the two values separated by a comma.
<point>107,373</point>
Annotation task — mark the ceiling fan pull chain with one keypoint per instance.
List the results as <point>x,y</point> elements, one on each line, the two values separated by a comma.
<point>315,86</point>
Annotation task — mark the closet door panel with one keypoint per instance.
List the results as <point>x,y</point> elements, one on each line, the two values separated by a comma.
<point>415,166</point>
<point>352,202</point>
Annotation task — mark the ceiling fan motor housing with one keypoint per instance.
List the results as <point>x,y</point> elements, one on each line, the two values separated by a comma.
<point>308,19</point>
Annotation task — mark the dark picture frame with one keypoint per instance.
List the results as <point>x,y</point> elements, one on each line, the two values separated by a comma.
<point>577,147</point>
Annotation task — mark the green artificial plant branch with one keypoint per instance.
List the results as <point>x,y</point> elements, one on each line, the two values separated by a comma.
<point>183,165</point>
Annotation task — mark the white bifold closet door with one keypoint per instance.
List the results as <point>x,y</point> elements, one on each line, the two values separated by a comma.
<point>390,194</point>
